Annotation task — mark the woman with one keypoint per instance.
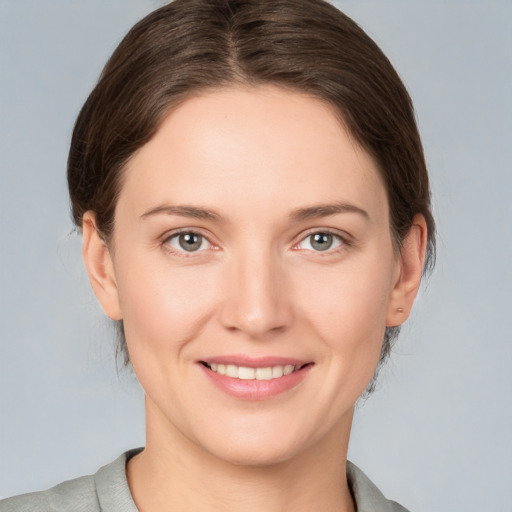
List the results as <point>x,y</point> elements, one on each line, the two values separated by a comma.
<point>250,185</point>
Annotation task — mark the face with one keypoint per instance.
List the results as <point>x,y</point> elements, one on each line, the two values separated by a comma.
<point>254,270</point>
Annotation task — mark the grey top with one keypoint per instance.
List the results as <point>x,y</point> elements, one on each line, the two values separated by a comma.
<point>107,491</point>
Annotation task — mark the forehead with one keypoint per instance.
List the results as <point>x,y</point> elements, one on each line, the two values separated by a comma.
<point>248,146</point>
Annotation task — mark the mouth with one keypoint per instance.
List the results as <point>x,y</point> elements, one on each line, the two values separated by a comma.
<point>254,373</point>
<point>247,378</point>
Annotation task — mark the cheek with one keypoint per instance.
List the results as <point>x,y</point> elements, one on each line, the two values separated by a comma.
<point>347,310</point>
<point>355,297</point>
<point>166,307</point>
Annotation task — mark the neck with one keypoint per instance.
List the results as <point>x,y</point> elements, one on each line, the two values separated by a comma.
<point>173,473</point>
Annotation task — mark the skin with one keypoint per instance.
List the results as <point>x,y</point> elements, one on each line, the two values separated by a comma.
<point>257,286</point>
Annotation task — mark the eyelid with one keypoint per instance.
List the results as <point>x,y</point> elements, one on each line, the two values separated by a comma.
<point>344,238</point>
<point>195,231</point>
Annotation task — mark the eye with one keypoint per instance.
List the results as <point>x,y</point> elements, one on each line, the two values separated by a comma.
<point>320,241</point>
<point>188,241</point>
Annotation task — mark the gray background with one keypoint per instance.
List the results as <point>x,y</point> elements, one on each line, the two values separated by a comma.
<point>437,434</point>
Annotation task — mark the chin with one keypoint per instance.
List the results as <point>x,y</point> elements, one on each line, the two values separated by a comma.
<point>260,443</point>
<point>254,454</point>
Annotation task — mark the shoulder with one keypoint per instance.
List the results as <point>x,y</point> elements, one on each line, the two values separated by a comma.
<point>106,490</point>
<point>74,496</point>
<point>366,494</point>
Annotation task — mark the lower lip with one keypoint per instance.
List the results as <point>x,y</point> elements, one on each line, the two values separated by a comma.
<point>256,389</point>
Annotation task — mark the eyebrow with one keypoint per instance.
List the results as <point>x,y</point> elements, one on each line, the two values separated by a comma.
<point>298,215</point>
<point>324,210</point>
<point>194,212</point>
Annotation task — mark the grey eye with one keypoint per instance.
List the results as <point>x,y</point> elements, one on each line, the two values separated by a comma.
<point>188,242</point>
<point>321,241</point>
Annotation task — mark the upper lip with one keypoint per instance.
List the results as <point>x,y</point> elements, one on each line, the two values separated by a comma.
<point>255,362</point>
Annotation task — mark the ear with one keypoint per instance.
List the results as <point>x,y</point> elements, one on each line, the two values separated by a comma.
<point>410,269</point>
<point>100,268</point>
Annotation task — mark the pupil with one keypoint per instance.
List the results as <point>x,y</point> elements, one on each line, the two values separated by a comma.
<point>190,241</point>
<point>321,241</point>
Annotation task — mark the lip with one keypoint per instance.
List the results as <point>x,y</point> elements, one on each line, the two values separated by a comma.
<point>255,389</point>
<point>255,362</point>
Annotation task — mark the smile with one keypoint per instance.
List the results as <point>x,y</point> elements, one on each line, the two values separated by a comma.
<point>247,373</point>
<point>247,378</point>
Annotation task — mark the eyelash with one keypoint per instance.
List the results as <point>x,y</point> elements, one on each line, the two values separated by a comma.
<point>166,242</point>
<point>342,241</point>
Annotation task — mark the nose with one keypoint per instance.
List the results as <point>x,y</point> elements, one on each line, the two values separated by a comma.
<point>257,301</point>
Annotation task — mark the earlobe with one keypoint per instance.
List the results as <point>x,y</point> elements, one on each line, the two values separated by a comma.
<point>99,265</point>
<point>411,261</point>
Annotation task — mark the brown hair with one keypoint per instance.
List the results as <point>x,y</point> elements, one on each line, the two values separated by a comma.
<point>191,45</point>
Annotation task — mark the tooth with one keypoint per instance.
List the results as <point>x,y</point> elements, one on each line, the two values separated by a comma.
<point>232,370</point>
<point>264,373</point>
<point>288,369</point>
<point>246,373</point>
<point>277,371</point>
